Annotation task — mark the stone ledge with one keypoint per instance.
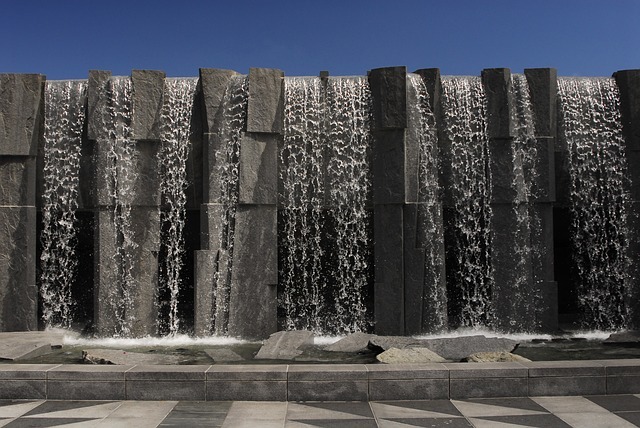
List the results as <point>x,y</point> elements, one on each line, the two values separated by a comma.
<point>319,382</point>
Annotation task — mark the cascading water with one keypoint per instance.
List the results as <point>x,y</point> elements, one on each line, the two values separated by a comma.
<point>120,182</point>
<point>172,164</point>
<point>64,120</point>
<point>599,198</point>
<point>302,175</point>
<point>234,116</point>
<point>470,275</point>
<point>422,126</point>
<point>325,190</point>
<point>524,152</point>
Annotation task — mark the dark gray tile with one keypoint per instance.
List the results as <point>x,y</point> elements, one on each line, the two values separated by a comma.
<point>617,403</point>
<point>440,406</point>
<point>514,403</point>
<point>203,406</point>
<point>633,417</point>
<point>57,406</point>
<point>542,421</point>
<point>357,408</point>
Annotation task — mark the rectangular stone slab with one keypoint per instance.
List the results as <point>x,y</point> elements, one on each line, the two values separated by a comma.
<point>21,113</point>
<point>213,82</point>
<point>17,180</point>
<point>97,104</point>
<point>266,100</point>
<point>389,95</point>
<point>497,85</point>
<point>543,89</point>
<point>148,88</point>
<point>18,292</point>
<point>258,169</point>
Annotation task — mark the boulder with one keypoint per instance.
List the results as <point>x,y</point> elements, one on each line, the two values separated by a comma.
<point>223,355</point>
<point>284,345</point>
<point>384,343</point>
<point>120,357</point>
<point>355,342</point>
<point>409,356</point>
<point>457,348</point>
<point>623,337</point>
<point>495,357</point>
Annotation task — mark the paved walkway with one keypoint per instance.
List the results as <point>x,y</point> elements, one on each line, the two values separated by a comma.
<point>617,411</point>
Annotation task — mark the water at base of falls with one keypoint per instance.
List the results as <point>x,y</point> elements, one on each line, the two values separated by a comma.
<point>599,197</point>
<point>470,275</point>
<point>64,120</point>
<point>172,164</point>
<point>325,237</point>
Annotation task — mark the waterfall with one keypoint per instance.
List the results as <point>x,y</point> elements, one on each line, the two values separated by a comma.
<point>599,198</point>
<point>422,126</point>
<point>524,155</point>
<point>234,116</point>
<point>302,175</point>
<point>172,164</point>
<point>120,186</point>
<point>64,120</point>
<point>470,274</point>
<point>326,256</point>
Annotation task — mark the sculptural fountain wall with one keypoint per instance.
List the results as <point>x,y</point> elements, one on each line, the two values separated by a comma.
<point>403,203</point>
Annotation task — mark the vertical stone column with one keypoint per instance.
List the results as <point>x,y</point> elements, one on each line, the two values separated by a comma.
<point>389,95</point>
<point>512,294</point>
<point>253,300</point>
<point>543,89</point>
<point>210,258</point>
<point>147,101</point>
<point>629,85</point>
<point>426,290</point>
<point>21,123</point>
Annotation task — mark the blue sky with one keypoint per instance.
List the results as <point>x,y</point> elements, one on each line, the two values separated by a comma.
<point>64,39</point>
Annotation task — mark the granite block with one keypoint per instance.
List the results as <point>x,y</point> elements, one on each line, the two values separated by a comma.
<point>573,385</point>
<point>267,372</point>
<point>388,167</point>
<point>163,390</point>
<point>433,82</point>
<point>166,372</point>
<point>18,292</point>
<point>23,389</point>
<point>21,113</point>
<point>87,372</point>
<point>258,172</point>
<point>25,371</point>
<point>486,370</point>
<point>86,390</point>
<point>543,89</point>
<point>624,384</point>
<point>327,372</point>
<point>17,180</point>
<point>266,100</point>
<point>389,96</point>
<point>409,389</point>
<point>488,387</point>
<point>407,371</point>
<point>628,82</point>
<point>148,88</point>
<point>500,107</point>
<point>204,313</point>
<point>565,368</point>
<point>316,390</point>
<point>246,390</point>
<point>97,104</point>
<point>213,82</point>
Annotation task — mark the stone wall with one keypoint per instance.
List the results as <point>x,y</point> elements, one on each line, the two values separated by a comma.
<point>401,305</point>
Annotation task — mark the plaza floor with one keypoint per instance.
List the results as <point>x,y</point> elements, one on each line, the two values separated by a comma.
<point>617,411</point>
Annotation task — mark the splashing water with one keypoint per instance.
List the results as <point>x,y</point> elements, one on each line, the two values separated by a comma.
<point>64,120</point>
<point>422,126</point>
<point>120,184</point>
<point>465,127</point>
<point>234,112</point>
<point>172,164</point>
<point>599,196</point>
<point>326,146</point>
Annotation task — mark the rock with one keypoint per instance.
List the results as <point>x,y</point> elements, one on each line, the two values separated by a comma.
<point>409,356</point>
<point>120,357</point>
<point>495,357</point>
<point>623,337</point>
<point>148,91</point>
<point>454,349</point>
<point>284,345</point>
<point>384,343</point>
<point>352,343</point>
<point>266,100</point>
<point>223,355</point>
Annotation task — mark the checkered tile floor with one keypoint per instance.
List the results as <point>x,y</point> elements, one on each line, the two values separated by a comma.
<point>617,411</point>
